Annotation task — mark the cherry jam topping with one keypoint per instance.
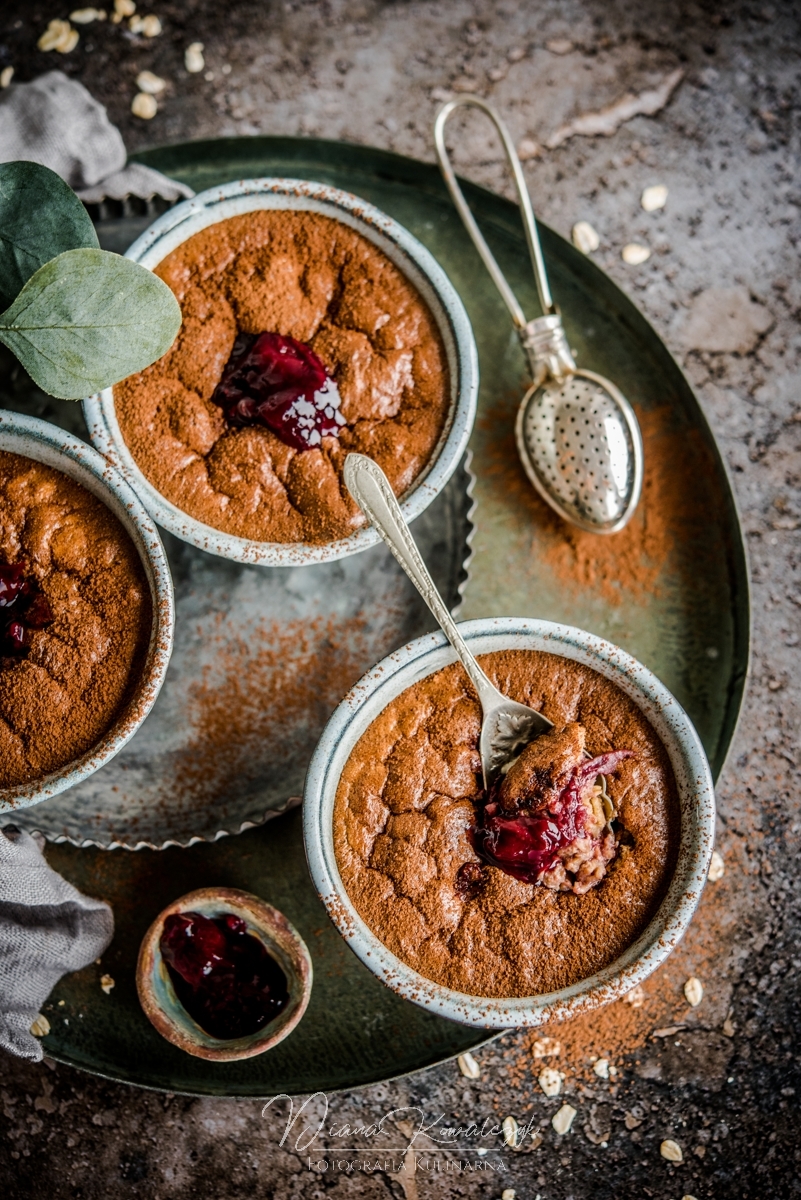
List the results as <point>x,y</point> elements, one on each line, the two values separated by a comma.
<point>22,607</point>
<point>223,975</point>
<point>527,845</point>
<point>279,382</point>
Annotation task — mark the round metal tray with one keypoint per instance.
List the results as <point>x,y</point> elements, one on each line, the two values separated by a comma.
<point>691,628</point>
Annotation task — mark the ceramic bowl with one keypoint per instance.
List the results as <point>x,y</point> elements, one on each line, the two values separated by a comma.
<point>48,444</point>
<point>430,653</point>
<point>416,263</point>
<point>165,1011</point>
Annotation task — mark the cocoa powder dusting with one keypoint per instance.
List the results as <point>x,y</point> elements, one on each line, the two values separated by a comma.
<point>56,703</point>
<point>308,277</point>
<point>407,798</point>
<point>262,700</point>
<point>626,565</point>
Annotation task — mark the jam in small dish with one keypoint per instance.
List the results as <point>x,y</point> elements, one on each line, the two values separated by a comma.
<point>222,974</point>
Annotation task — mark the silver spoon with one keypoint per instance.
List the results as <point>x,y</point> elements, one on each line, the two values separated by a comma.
<point>506,726</point>
<point>577,435</point>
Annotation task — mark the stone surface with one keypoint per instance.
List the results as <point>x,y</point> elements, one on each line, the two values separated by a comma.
<point>726,146</point>
<point>725,320</point>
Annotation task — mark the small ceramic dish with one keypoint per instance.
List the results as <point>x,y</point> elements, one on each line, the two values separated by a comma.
<point>165,1011</point>
<point>50,445</point>
<point>416,263</point>
<point>421,658</point>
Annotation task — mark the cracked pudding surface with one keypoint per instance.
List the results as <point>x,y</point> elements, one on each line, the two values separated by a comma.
<point>411,793</point>
<point>308,277</point>
<point>78,671</point>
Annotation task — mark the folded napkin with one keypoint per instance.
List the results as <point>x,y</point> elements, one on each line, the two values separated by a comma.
<point>47,928</point>
<point>54,121</point>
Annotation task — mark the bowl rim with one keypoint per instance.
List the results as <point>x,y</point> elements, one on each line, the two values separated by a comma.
<point>30,437</point>
<point>419,659</point>
<point>417,264</point>
<point>274,929</point>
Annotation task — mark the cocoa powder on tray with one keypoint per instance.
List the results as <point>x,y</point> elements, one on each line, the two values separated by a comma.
<point>57,702</point>
<point>312,278</point>
<point>406,800</point>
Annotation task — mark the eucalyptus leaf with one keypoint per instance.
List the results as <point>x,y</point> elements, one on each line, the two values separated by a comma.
<point>40,217</point>
<point>88,319</point>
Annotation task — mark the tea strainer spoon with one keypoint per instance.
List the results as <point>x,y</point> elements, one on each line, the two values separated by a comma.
<point>577,435</point>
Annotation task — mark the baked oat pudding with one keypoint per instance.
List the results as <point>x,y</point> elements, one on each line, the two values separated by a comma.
<point>301,341</point>
<point>75,619</point>
<point>541,883</point>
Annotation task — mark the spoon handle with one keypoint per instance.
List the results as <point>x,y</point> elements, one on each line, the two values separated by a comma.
<point>369,487</point>
<point>529,223</point>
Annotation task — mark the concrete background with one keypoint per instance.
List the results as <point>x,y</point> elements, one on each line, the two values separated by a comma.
<point>726,145</point>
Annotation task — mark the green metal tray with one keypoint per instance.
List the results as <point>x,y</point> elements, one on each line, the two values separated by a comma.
<point>691,628</point>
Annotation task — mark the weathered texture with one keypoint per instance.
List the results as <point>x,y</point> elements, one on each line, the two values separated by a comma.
<point>726,145</point>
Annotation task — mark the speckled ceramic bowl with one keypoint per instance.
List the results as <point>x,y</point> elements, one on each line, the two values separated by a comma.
<point>416,263</point>
<point>48,444</point>
<point>421,658</point>
<point>165,1011</point>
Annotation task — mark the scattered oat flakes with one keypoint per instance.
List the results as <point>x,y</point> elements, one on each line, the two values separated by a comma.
<point>636,997</point>
<point>527,149</point>
<point>563,1119</point>
<point>40,1026</point>
<point>671,1151</point>
<point>585,238</point>
<point>550,1080</point>
<point>122,9</point>
<point>144,106</point>
<point>668,1031</point>
<point>59,36</point>
<point>729,1027</point>
<point>468,1066</point>
<point>631,1122</point>
<point>693,991</point>
<point>146,81</point>
<point>85,16</point>
<point>106,983</point>
<point>654,197</point>
<point>601,1068</point>
<point>559,46</point>
<point>634,254</point>
<point>193,58</point>
<point>61,1003</point>
<point>149,26</point>
<point>6,75</point>
<point>510,1132</point>
<point>546,1047</point>
<point>516,54</point>
<point>717,867</point>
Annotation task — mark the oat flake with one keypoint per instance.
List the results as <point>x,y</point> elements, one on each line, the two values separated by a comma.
<point>694,991</point>
<point>510,1132</point>
<point>717,867</point>
<point>654,198</point>
<point>550,1081</point>
<point>106,983</point>
<point>601,1068</point>
<point>546,1047</point>
<point>193,58</point>
<point>468,1066</point>
<point>585,238</point>
<point>671,1151</point>
<point>144,106</point>
<point>562,1120</point>
<point>634,254</point>
<point>41,1026</point>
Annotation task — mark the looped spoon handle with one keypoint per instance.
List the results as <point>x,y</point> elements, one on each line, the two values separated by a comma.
<point>507,725</point>
<point>529,223</point>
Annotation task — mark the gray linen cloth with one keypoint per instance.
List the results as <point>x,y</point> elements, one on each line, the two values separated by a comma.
<point>56,122</point>
<point>47,928</point>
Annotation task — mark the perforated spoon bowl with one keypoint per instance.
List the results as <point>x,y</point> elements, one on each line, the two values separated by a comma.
<point>577,435</point>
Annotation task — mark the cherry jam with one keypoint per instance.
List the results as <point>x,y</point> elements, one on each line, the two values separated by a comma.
<point>22,607</point>
<point>279,382</point>
<point>222,975</point>
<point>527,845</point>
